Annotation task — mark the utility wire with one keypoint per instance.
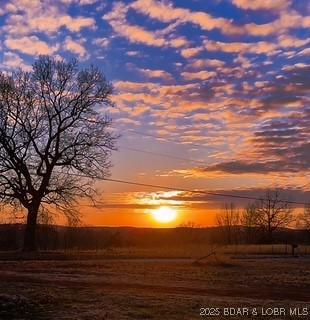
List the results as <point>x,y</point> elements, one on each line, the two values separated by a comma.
<point>168,187</point>
<point>167,139</point>
<point>162,154</point>
<point>154,136</point>
<point>182,189</point>
<point>182,158</point>
<point>165,154</point>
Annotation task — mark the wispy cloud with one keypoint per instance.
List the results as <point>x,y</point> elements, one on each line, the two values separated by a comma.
<point>222,82</point>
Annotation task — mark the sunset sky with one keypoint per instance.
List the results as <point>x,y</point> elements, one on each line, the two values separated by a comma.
<point>210,95</point>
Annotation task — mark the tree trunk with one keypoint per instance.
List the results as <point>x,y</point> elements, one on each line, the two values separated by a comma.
<point>30,231</point>
<point>270,231</point>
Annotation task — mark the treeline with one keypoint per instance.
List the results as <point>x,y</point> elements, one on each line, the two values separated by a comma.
<point>261,220</point>
<point>99,238</point>
<point>269,220</point>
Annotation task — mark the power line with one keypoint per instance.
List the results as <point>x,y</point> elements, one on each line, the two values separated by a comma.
<point>165,154</point>
<point>162,155</point>
<point>174,157</point>
<point>182,189</point>
<point>183,159</point>
<point>154,136</point>
<point>167,139</point>
<point>163,139</point>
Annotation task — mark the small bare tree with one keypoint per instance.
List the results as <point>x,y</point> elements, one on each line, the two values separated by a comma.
<point>304,220</point>
<point>51,131</point>
<point>229,219</point>
<point>273,213</point>
<point>249,221</point>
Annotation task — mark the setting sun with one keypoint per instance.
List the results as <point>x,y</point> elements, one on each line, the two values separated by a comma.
<point>164,214</point>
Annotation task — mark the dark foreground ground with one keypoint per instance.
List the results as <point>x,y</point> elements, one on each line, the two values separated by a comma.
<point>151,288</point>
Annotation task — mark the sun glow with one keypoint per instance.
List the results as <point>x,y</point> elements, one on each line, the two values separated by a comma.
<point>164,214</point>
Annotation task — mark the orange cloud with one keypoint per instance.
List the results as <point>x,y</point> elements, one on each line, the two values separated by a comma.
<point>30,45</point>
<point>178,42</point>
<point>286,41</point>
<point>75,47</point>
<point>13,61</point>
<point>155,74</point>
<point>203,63</point>
<point>262,4</point>
<point>102,42</point>
<point>36,16</point>
<point>191,52</point>
<point>287,20</point>
<point>159,10</point>
<point>304,52</point>
<point>261,47</point>
<point>201,75</point>
<point>167,13</point>
<point>134,86</point>
<point>136,34</point>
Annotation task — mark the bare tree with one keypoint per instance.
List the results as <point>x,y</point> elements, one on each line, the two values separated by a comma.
<point>249,221</point>
<point>51,131</point>
<point>229,219</point>
<point>304,220</point>
<point>272,213</point>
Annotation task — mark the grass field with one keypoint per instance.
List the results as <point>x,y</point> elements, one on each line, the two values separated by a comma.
<point>196,251</point>
<point>107,287</point>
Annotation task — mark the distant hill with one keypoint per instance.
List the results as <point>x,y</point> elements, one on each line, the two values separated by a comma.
<point>85,238</point>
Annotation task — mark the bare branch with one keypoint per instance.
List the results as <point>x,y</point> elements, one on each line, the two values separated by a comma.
<point>44,136</point>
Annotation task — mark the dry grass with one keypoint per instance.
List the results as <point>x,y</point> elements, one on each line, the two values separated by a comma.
<point>264,249</point>
<point>196,251</point>
<point>136,283</point>
<point>122,289</point>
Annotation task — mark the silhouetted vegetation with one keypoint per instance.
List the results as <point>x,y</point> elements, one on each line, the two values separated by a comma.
<point>259,220</point>
<point>304,221</point>
<point>228,221</point>
<point>49,131</point>
<point>98,238</point>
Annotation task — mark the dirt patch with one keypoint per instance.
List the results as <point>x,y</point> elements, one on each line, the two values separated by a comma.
<point>17,307</point>
<point>148,289</point>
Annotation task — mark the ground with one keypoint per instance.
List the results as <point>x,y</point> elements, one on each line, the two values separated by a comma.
<point>108,287</point>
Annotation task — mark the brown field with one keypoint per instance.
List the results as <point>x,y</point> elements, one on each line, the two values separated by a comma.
<point>153,284</point>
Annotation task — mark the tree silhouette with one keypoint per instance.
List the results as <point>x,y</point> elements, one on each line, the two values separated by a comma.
<point>304,221</point>
<point>272,213</point>
<point>50,131</point>
<point>249,219</point>
<point>228,220</point>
